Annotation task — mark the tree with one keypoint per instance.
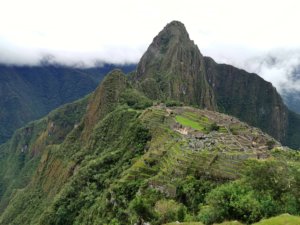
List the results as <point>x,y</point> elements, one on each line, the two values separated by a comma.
<point>141,210</point>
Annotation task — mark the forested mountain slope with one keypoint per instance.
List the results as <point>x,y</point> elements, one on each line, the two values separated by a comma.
<point>122,161</point>
<point>30,92</point>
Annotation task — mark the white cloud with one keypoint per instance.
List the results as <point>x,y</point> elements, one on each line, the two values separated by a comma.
<point>280,66</point>
<point>119,31</point>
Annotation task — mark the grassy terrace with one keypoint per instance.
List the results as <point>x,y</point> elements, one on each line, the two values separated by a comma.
<point>187,223</point>
<point>189,123</point>
<point>284,219</point>
<point>199,223</point>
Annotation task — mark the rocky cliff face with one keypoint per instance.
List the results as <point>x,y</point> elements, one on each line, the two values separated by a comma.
<point>173,68</point>
<point>248,97</point>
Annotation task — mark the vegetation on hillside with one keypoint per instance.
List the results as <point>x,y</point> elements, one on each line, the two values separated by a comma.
<point>21,155</point>
<point>284,219</point>
<point>150,164</point>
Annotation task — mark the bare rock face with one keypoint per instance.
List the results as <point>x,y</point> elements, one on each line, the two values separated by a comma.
<point>173,68</point>
<point>248,97</point>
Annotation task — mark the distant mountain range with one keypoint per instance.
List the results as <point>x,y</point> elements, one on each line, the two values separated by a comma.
<point>282,68</point>
<point>293,101</point>
<point>292,98</point>
<point>30,92</point>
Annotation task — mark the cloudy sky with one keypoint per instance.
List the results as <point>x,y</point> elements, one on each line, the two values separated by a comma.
<point>260,36</point>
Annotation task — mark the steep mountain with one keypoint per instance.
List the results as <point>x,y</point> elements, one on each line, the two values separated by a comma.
<point>105,98</point>
<point>173,68</point>
<point>122,163</point>
<point>253,100</point>
<point>28,93</point>
<point>248,97</point>
<point>21,155</point>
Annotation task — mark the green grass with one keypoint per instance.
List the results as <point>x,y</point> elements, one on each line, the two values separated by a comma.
<point>203,120</point>
<point>284,219</point>
<point>189,123</point>
<point>229,223</point>
<point>185,223</point>
<point>222,129</point>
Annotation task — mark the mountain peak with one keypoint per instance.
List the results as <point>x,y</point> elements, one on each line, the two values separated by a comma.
<point>105,97</point>
<point>175,23</point>
<point>172,68</point>
<point>174,33</point>
<point>175,29</point>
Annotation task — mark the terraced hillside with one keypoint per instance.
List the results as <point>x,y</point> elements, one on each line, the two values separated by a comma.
<point>192,141</point>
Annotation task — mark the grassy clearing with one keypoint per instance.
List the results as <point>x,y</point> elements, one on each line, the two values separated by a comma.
<point>229,223</point>
<point>203,120</point>
<point>189,123</point>
<point>284,219</point>
<point>186,223</point>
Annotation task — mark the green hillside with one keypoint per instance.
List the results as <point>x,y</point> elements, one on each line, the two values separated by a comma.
<point>186,223</point>
<point>29,92</point>
<point>124,163</point>
<point>21,155</point>
<point>284,219</point>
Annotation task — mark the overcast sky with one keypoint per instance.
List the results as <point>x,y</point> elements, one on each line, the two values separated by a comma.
<point>240,32</point>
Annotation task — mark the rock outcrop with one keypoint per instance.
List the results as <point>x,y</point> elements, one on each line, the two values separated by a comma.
<point>248,97</point>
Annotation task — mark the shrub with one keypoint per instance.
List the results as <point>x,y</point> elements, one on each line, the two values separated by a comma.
<point>141,210</point>
<point>234,130</point>
<point>267,188</point>
<point>169,210</point>
<point>171,103</point>
<point>231,201</point>
<point>271,144</point>
<point>213,127</point>
<point>191,192</point>
<point>209,215</point>
<point>135,99</point>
